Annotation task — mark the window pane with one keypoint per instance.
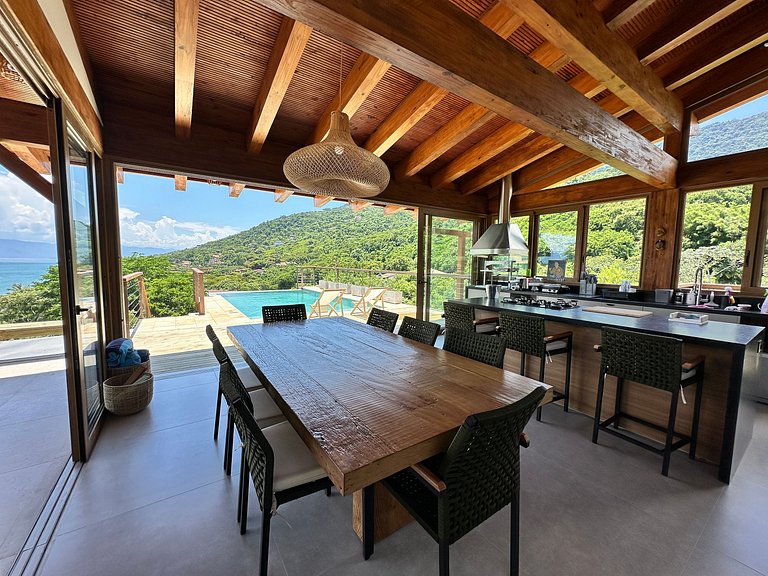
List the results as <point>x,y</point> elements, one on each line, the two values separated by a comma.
<point>615,241</point>
<point>715,235</point>
<point>557,244</point>
<point>520,263</point>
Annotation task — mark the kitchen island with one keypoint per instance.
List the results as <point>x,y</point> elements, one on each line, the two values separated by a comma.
<point>732,356</point>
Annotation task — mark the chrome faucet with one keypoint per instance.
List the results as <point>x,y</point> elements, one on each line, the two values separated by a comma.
<point>698,282</point>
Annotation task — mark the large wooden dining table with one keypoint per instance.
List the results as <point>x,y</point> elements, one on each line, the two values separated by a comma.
<point>368,403</point>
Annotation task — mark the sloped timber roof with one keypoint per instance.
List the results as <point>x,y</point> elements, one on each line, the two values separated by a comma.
<point>429,85</point>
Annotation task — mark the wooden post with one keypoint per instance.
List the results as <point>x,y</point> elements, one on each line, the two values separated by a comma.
<point>126,308</point>
<point>198,290</point>
<point>143,300</point>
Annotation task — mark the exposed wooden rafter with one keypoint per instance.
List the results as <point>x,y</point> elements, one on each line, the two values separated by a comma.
<point>281,195</point>
<point>321,201</point>
<point>25,173</point>
<point>180,183</point>
<point>185,18</point>
<point>358,205</point>
<point>390,209</point>
<point>23,123</point>
<point>235,188</point>
<point>622,11</point>
<point>26,156</point>
<point>578,29</point>
<point>286,54</point>
<point>365,74</point>
<point>119,174</point>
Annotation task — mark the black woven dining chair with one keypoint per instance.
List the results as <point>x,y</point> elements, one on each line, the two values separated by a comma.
<point>382,319</point>
<point>486,349</point>
<point>464,317</point>
<point>478,475</point>
<point>249,379</point>
<point>655,361</point>
<point>419,330</point>
<point>281,467</point>
<point>526,334</point>
<point>283,313</point>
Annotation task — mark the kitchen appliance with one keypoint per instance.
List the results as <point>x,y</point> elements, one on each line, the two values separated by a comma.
<point>663,295</point>
<point>492,291</point>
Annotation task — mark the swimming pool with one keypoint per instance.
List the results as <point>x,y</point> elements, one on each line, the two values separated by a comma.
<point>250,303</point>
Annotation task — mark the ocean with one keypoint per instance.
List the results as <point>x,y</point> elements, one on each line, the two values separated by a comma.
<point>24,272</point>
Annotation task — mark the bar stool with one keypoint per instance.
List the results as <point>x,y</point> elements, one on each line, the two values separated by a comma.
<point>525,334</point>
<point>463,317</point>
<point>654,361</point>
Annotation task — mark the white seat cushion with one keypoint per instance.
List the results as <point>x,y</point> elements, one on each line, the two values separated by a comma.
<point>265,411</point>
<point>686,375</point>
<point>249,379</point>
<point>556,345</point>
<point>294,463</point>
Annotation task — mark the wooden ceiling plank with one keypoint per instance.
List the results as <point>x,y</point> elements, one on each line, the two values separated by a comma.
<point>186,14</point>
<point>235,189</point>
<point>689,19</point>
<point>361,80</point>
<point>180,183</point>
<point>25,173</point>
<point>450,134</point>
<point>578,29</point>
<point>622,12</point>
<point>744,34</point>
<point>358,205</point>
<point>503,21</point>
<point>412,109</point>
<point>321,201</point>
<point>22,122</point>
<point>282,194</point>
<point>286,54</point>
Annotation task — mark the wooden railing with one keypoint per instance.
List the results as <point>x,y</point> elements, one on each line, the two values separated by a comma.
<point>198,290</point>
<point>135,300</point>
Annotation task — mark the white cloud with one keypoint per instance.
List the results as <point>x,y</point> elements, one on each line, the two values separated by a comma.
<point>24,214</point>
<point>167,232</point>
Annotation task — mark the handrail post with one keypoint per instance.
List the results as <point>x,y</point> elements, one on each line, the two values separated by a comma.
<point>144,301</point>
<point>198,290</point>
<point>126,309</point>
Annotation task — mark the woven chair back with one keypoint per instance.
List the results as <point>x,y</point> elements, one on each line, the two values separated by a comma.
<point>382,319</point>
<point>283,313</point>
<point>232,386</point>
<point>258,453</point>
<point>458,316</point>
<point>486,349</point>
<point>523,333</point>
<point>481,468</point>
<point>218,349</point>
<point>652,360</point>
<point>419,330</point>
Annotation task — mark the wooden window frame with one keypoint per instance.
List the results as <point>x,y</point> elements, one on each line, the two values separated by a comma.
<point>756,239</point>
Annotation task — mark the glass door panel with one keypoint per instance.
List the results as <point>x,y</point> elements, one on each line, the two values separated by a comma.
<point>447,264</point>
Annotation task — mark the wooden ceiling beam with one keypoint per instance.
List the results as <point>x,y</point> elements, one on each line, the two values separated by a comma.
<point>25,173</point>
<point>743,168</point>
<point>235,189</point>
<point>432,41</point>
<point>622,11</point>
<point>286,54</point>
<point>22,122</point>
<point>688,19</point>
<point>599,191</point>
<point>180,183</point>
<point>282,194</point>
<point>732,100</point>
<point>578,29</point>
<point>358,205</point>
<point>26,156</point>
<point>361,80</point>
<point>321,201</point>
<point>412,109</point>
<point>745,31</point>
<point>390,209</point>
<point>503,21</point>
<point>186,14</point>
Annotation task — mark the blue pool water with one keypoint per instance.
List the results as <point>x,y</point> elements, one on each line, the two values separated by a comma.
<point>250,303</point>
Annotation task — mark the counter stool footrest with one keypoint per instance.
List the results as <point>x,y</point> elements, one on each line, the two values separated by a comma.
<point>604,426</point>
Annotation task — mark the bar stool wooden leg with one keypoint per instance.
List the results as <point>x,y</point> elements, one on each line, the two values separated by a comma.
<point>670,432</point>
<point>598,405</point>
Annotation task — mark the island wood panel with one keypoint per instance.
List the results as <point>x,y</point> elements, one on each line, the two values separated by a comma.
<point>366,402</point>
<point>638,400</point>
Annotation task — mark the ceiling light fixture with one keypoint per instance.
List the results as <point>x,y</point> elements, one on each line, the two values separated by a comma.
<point>337,166</point>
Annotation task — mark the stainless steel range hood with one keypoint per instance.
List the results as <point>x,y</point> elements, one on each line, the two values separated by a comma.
<point>502,238</point>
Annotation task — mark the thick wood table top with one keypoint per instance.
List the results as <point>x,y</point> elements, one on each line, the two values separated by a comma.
<point>366,402</point>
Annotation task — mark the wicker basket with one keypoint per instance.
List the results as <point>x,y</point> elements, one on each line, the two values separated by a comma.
<point>128,370</point>
<point>123,400</point>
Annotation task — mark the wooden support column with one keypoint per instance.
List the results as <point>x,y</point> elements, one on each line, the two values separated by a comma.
<point>109,250</point>
<point>661,230</point>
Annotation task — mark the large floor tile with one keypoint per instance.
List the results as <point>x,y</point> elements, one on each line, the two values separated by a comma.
<point>33,442</point>
<point>713,563</point>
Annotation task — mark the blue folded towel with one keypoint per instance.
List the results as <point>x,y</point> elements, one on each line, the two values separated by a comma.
<point>120,353</point>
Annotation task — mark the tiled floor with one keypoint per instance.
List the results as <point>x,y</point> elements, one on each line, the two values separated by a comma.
<point>153,500</point>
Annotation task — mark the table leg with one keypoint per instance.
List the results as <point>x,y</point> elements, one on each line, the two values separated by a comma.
<point>368,496</point>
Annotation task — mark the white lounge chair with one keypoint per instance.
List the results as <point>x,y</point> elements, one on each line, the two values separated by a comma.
<point>369,300</point>
<point>326,304</point>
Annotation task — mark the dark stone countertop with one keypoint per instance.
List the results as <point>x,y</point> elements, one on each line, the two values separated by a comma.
<point>713,333</point>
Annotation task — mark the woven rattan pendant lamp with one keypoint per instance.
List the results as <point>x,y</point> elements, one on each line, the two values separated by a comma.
<point>337,166</point>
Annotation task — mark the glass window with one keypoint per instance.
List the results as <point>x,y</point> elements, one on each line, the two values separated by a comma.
<point>599,173</point>
<point>740,129</point>
<point>556,247</point>
<point>615,241</point>
<point>715,235</point>
<point>521,262</point>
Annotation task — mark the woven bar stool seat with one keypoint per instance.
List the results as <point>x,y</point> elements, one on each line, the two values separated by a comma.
<point>654,361</point>
<point>464,317</point>
<point>526,334</point>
